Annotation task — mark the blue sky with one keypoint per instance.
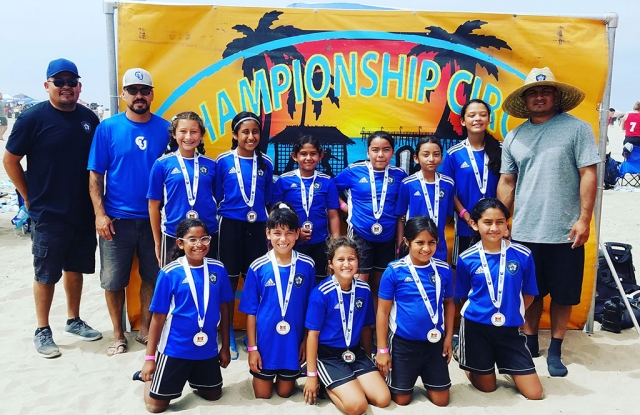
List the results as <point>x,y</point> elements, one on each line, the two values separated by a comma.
<point>36,31</point>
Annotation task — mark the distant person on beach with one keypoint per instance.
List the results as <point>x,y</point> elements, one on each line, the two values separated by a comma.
<point>631,125</point>
<point>3,119</point>
<point>125,147</point>
<point>55,136</point>
<point>101,112</point>
<point>549,174</point>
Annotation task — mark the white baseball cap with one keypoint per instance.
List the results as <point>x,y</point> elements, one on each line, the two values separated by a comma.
<point>136,76</point>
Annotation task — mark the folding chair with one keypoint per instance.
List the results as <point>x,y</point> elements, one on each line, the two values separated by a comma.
<point>630,169</point>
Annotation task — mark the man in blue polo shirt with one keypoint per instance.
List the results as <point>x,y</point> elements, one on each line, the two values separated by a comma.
<point>125,147</point>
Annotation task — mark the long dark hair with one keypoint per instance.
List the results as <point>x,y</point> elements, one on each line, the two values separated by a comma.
<point>236,123</point>
<point>414,226</point>
<point>181,231</point>
<point>186,115</point>
<point>491,144</point>
<point>381,134</point>
<point>306,139</point>
<point>481,207</point>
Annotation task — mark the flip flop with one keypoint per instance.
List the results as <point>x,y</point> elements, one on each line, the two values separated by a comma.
<point>143,339</point>
<point>117,347</point>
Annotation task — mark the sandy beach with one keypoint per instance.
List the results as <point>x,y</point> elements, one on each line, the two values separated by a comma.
<point>604,368</point>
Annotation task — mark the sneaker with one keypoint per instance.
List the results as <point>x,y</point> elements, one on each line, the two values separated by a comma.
<point>80,329</point>
<point>232,345</point>
<point>44,344</point>
<point>455,345</point>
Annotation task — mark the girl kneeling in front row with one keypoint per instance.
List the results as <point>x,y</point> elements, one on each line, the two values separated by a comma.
<point>497,278</point>
<point>339,319</point>
<point>182,337</point>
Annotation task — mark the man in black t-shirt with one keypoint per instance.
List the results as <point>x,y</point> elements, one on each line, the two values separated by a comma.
<point>55,136</point>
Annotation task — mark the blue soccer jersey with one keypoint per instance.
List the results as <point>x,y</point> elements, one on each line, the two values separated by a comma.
<point>325,198</point>
<point>409,317</point>
<point>227,191</point>
<point>166,184</point>
<point>172,296</point>
<point>355,180</point>
<point>125,151</point>
<point>323,313</point>
<point>260,298</point>
<point>457,165</point>
<point>519,280</point>
<point>411,203</point>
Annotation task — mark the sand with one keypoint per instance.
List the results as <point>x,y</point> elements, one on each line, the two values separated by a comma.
<point>604,368</point>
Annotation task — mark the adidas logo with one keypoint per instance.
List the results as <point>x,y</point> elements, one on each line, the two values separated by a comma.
<point>233,170</point>
<point>270,283</point>
<point>479,270</point>
<point>184,281</point>
<point>417,193</point>
<point>464,165</point>
<point>175,171</point>
<point>363,180</point>
<point>337,307</point>
<point>293,185</point>
<point>408,279</point>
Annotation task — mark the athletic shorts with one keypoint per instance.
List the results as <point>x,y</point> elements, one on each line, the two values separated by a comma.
<point>317,252</point>
<point>559,271</point>
<point>482,347</point>
<point>62,246</point>
<point>3,122</point>
<point>333,371</point>
<point>240,243</point>
<point>375,255</point>
<point>169,244</point>
<point>132,236</point>
<point>460,244</point>
<point>286,375</point>
<point>172,373</point>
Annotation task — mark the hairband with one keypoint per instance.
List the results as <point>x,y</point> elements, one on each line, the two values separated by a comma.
<point>241,120</point>
<point>283,206</point>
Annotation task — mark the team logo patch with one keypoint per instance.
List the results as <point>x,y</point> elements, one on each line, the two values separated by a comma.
<point>432,278</point>
<point>512,267</point>
<point>204,170</point>
<point>85,126</point>
<point>317,186</point>
<point>442,193</point>
<point>213,277</point>
<point>260,172</point>
<point>139,75</point>
<point>541,77</point>
<point>298,280</point>
<point>391,180</point>
<point>359,303</point>
<point>141,142</point>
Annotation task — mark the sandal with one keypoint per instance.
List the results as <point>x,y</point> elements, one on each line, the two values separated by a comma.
<point>117,347</point>
<point>143,339</point>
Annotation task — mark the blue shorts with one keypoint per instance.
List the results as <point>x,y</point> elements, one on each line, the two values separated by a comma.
<point>240,243</point>
<point>133,236</point>
<point>333,371</point>
<point>483,346</point>
<point>62,246</point>
<point>374,255</point>
<point>286,375</point>
<point>172,373</point>
<point>317,252</point>
<point>413,358</point>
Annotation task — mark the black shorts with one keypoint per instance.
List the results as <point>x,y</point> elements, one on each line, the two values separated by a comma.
<point>413,358</point>
<point>169,243</point>
<point>460,244</point>
<point>559,271</point>
<point>318,253</point>
<point>375,255</point>
<point>286,375</point>
<point>61,246</point>
<point>240,243</point>
<point>482,347</point>
<point>172,373</point>
<point>333,371</point>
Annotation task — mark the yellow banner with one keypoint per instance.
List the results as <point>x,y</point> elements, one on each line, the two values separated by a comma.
<point>340,74</point>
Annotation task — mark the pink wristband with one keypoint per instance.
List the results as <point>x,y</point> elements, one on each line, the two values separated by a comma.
<point>383,351</point>
<point>343,205</point>
<point>150,358</point>
<point>312,374</point>
<point>252,348</point>
<point>462,212</point>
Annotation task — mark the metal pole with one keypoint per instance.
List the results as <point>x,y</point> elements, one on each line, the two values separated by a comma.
<point>109,7</point>
<point>611,19</point>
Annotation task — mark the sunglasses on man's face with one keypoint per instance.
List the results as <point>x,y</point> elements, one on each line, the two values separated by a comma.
<point>60,82</point>
<point>132,90</point>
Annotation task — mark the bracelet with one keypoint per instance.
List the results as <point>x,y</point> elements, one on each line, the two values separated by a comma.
<point>252,348</point>
<point>150,357</point>
<point>343,205</point>
<point>462,212</point>
<point>383,351</point>
<point>312,374</point>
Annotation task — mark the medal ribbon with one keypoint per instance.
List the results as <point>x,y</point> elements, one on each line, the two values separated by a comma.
<point>284,303</point>
<point>425,298</point>
<point>377,213</point>
<point>347,325</point>
<point>303,192</point>
<point>254,178</point>
<point>482,183</point>
<point>496,300</point>
<point>433,212</point>
<point>192,288</point>
<point>191,194</point>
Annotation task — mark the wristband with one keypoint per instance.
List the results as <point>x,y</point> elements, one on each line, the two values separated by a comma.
<point>383,351</point>
<point>312,374</point>
<point>462,212</point>
<point>150,357</point>
<point>343,205</point>
<point>252,348</point>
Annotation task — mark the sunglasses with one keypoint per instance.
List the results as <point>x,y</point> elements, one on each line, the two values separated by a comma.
<point>132,90</point>
<point>60,82</point>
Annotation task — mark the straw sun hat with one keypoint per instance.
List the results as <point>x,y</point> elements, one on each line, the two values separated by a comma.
<point>570,96</point>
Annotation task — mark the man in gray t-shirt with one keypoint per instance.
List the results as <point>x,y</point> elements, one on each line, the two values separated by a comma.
<point>548,173</point>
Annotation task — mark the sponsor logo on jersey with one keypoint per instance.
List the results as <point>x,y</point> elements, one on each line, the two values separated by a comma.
<point>175,171</point>
<point>270,283</point>
<point>464,165</point>
<point>512,267</point>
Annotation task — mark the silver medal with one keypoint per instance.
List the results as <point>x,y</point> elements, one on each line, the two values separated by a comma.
<point>283,327</point>
<point>252,216</point>
<point>200,339</point>
<point>498,319</point>
<point>434,335</point>
<point>376,229</point>
<point>348,356</point>
<point>192,214</point>
<point>308,225</point>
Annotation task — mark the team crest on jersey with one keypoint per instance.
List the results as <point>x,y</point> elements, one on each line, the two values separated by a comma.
<point>391,180</point>
<point>317,186</point>
<point>204,170</point>
<point>213,277</point>
<point>442,193</point>
<point>512,267</point>
<point>141,142</point>
<point>86,126</point>
<point>260,173</point>
<point>359,303</point>
<point>298,280</point>
<point>432,278</point>
<point>479,270</point>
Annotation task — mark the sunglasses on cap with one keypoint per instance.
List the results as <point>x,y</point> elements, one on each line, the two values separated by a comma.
<point>132,90</point>
<point>60,82</point>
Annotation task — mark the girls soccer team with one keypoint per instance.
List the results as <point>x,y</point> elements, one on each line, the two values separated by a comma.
<point>328,329</point>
